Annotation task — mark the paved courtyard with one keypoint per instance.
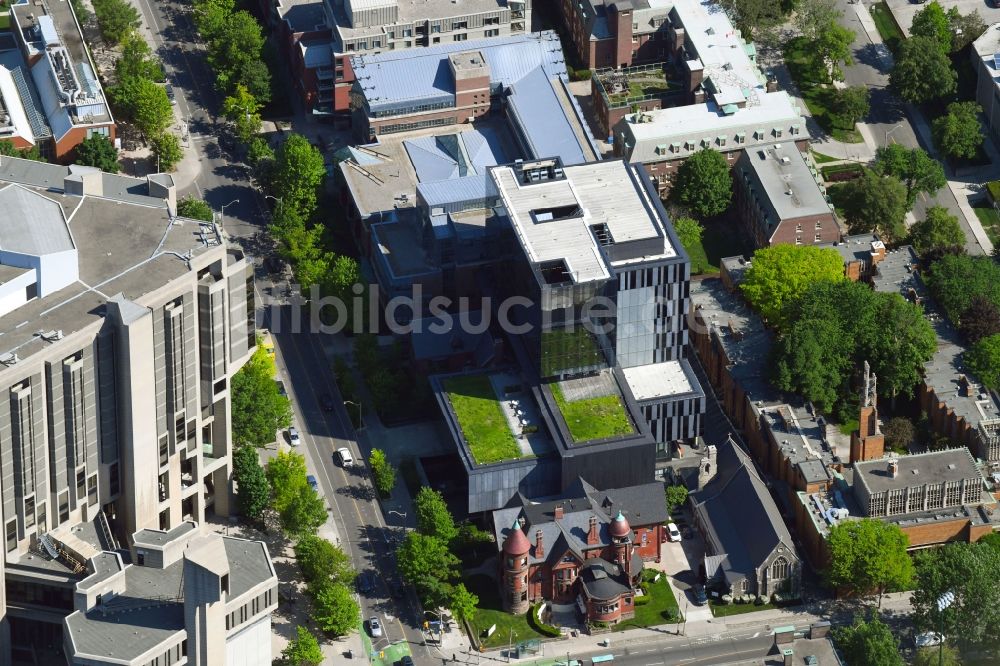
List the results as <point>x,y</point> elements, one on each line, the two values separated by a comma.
<point>904,10</point>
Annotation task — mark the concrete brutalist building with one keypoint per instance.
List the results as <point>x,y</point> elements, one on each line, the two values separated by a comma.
<point>121,326</point>
<point>182,594</point>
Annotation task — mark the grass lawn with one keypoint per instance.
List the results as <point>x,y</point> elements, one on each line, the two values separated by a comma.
<point>662,608</point>
<point>809,72</point>
<point>886,26</point>
<point>482,420</point>
<point>700,262</point>
<point>592,418</point>
<point>4,20</point>
<point>724,610</point>
<point>820,158</point>
<point>639,87</point>
<point>490,611</point>
<point>849,167</point>
<point>848,427</point>
<point>990,220</point>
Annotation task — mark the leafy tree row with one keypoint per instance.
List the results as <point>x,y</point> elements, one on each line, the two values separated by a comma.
<point>300,509</point>
<point>7,148</point>
<point>258,408</point>
<point>968,290</point>
<point>329,573</point>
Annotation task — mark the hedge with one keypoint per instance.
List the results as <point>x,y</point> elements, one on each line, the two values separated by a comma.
<point>539,626</point>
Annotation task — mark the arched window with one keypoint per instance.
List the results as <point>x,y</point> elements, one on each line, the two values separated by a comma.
<point>779,569</point>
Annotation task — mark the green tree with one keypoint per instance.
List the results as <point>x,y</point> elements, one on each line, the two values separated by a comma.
<point>755,17</point>
<point>868,556</point>
<point>919,171</point>
<point>942,655</point>
<point>877,203</point>
<point>970,572</point>
<point>303,650</point>
<point>676,496</point>
<point>958,133</point>
<point>286,474</point>
<point>254,493</point>
<point>137,60</point>
<point>383,472</point>
<point>922,72</point>
<point>7,148</point>
<point>259,151</point>
<point>703,183</point>
<point>965,28</point>
<point>868,642</point>
<point>243,110</point>
<point>116,19</point>
<point>900,345</point>
<point>689,231</point>
<point>147,104</point>
<point>939,229</point>
<point>255,76</point>
<point>239,43</point>
<point>779,274</point>
<point>812,358</point>
<point>257,406</point>
<point>98,151</point>
<point>210,17</point>
<point>167,151</point>
<point>899,434</point>
<point>433,517</point>
<point>81,11</point>
<point>195,209</point>
<point>955,280</point>
<point>304,514</point>
<point>833,45</point>
<point>812,17</point>
<point>933,23</point>
<point>321,561</point>
<point>851,104</point>
<point>981,319</point>
<point>463,603</point>
<point>334,609</point>
<point>298,172</point>
<point>983,360</point>
<point>426,563</point>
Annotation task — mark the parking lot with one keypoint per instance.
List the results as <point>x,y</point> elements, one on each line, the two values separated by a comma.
<point>904,10</point>
<point>681,562</point>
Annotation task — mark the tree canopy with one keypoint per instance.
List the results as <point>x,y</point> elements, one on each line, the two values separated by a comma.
<point>932,22</point>
<point>463,603</point>
<point>868,642</point>
<point>779,274</point>
<point>383,472</point>
<point>957,133</point>
<point>922,71</point>
<point>868,556</point>
<point>877,203</point>
<point>321,561</point>
<point>983,360</point>
<point>433,517</point>
<point>258,408</point>
<point>254,493</point>
<point>703,183</point>
<point>146,104</point>
<point>833,44</point>
<point>919,171</point>
<point>970,572</point>
<point>298,173</point>
<point>676,495</point>
<point>899,433</point>
<point>334,609</point>
<point>303,650</point>
<point>965,28</point>
<point>115,19</point>
<point>426,563</point>
<point>939,229</point>
<point>195,209</point>
<point>689,231</point>
<point>137,60</point>
<point>167,151</point>
<point>851,104</point>
<point>243,110</point>
<point>956,280</point>
<point>980,319</point>
<point>98,151</point>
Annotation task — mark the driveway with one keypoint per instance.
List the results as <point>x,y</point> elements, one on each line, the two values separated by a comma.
<point>681,561</point>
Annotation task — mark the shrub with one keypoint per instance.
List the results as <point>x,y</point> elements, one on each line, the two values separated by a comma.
<point>538,625</point>
<point>579,75</point>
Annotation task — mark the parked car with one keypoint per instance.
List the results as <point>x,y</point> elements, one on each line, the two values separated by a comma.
<point>170,93</point>
<point>375,627</point>
<point>407,660</point>
<point>293,436</point>
<point>928,639</point>
<point>281,388</point>
<point>326,402</point>
<point>673,534</point>
<point>366,582</point>
<point>700,597</point>
<point>344,457</point>
<point>312,482</point>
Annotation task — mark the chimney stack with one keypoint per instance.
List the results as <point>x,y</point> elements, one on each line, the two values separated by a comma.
<point>709,464</point>
<point>593,538</point>
<point>558,512</point>
<point>539,545</point>
<point>963,385</point>
<point>893,467</point>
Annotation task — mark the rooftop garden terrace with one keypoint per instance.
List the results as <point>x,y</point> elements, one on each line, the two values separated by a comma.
<point>593,417</point>
<point>636,84</point>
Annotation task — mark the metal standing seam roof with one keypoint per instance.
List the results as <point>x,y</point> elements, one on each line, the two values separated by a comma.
<point>12,61</point>
<point>456,155</point>
<point>542,120</point>
<point>11,101</point>
<point>395,78</point>
<point>455,190</point>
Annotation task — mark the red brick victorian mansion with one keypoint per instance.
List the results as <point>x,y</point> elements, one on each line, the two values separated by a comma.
<point>587,549</point>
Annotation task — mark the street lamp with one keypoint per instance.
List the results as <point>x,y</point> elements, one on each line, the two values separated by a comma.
<point>943,603</point>
<point>361,416</point>
<point>890,131</point>
<point>510,644</point>
<point>222,212</point>
<point>440,624</point>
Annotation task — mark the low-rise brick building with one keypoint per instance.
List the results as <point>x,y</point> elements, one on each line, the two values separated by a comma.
<point>586,547</point>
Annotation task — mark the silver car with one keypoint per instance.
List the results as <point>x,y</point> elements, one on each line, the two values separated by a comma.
<point>375,627</point>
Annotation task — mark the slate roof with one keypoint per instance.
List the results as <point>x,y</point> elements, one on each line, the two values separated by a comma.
<point>641,505</point>
<point>603,580</point>
<point>738,512</point>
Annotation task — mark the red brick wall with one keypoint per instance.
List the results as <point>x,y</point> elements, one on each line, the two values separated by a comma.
<point>621,23</point>
<point>63,149</point>
<point>787,231</point>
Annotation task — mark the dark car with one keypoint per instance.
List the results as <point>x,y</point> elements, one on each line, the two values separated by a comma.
<point>312,482</point>
<point>700,597</point>
<point>170,93</point>
<point>326,401</point>
<point>406,661</point>
<point>366,582</point>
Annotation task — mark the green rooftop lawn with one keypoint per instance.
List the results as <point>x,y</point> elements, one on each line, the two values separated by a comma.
<point>592,418</point>
<point>481,419</point>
